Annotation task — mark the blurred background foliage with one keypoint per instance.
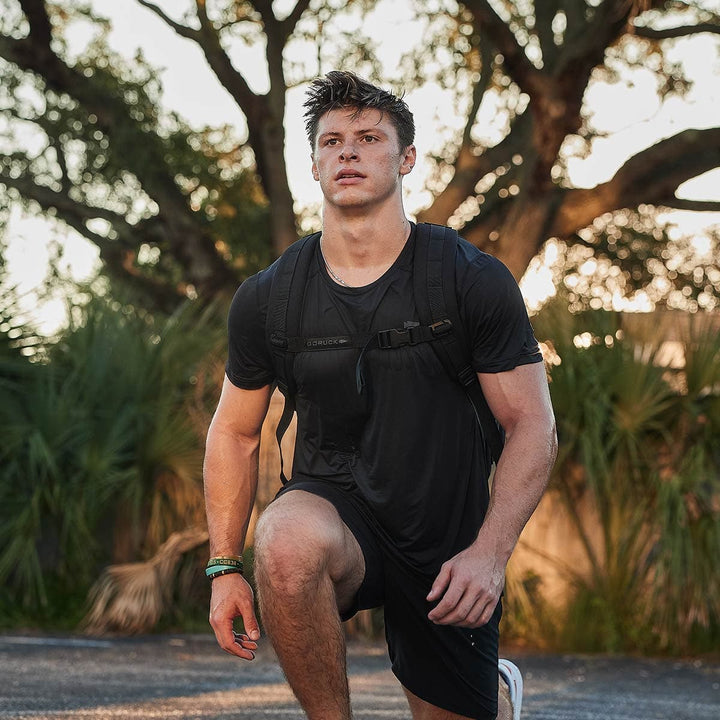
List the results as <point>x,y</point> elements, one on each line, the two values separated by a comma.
<point>640,446</point>
<point>103,435</point>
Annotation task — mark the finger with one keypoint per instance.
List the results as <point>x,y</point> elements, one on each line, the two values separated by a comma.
<point>440,584</point>
<point>235,647</point>
<point>247,647</point>
<point>244,641</point>
<point>474,617</point>
<point>482,612</point>
<point>467,611</point>
<point>242,637</point>
<point>447,605</point>
<point>488,612</point>
<point>238,644</point>
<point>239,651</point>
<point>457,615</point>
<point>250,623</point>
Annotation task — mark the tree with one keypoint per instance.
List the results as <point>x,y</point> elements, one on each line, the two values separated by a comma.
<point>174,212</point>
<point>540,59</point>
<point>106,141</point>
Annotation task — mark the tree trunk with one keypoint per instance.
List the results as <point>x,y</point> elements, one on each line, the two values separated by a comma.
<point>282,212</point>
<point>521,235</point>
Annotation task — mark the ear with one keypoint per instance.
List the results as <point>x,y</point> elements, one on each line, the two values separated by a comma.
<point>409,157</point>
<point>315,174</point>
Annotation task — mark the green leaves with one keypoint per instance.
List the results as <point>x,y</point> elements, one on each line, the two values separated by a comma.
<point>100,459</point>
<point>638,473</point>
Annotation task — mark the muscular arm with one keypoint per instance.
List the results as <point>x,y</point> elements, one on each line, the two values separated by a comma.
<point>231,474</point>
<point>470,583</point>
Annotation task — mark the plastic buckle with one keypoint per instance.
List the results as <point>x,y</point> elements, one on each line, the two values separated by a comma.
<point>441,327</point>
<point>392,338</point>
<point>415,334</point>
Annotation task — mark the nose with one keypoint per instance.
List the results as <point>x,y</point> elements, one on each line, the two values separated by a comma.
<point>348,151</point>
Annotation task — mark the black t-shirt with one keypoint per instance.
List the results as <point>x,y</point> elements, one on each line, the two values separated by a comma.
<point>409,442</point>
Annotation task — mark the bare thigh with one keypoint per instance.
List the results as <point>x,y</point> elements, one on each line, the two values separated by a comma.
<point>302,532</point>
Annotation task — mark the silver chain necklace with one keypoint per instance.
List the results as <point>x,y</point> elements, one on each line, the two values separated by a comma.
<point>333,275</point>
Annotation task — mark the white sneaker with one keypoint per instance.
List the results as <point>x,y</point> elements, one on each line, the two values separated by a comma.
<point>510,673</point>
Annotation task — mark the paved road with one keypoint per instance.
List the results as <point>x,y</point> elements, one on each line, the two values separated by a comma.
<point>188,677</point>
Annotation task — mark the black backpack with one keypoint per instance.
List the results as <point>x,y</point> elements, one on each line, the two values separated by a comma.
<point>439,324</point>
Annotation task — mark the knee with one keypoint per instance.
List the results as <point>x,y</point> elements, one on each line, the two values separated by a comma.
<point>291,553</point>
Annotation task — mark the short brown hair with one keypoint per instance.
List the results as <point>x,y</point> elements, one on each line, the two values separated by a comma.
<point>340,89</point>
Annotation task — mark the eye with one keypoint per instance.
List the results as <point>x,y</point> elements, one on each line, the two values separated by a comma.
<point>369,138</point>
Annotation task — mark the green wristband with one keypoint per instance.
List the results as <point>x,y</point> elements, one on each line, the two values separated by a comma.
<point>217,570</point>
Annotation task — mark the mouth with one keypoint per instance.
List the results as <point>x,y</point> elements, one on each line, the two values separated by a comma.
<point>349,175</point>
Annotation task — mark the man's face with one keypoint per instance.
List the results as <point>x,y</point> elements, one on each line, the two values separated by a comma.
<point>357,158</point>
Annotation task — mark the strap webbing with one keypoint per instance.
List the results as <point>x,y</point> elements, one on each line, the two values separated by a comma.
<point>283,320</point>
<point>436,300</point>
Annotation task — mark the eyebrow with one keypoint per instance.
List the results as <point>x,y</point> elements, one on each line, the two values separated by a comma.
<point>366,131</point>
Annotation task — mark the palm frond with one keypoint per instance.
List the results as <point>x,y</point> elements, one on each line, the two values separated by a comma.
<point>130,598</point>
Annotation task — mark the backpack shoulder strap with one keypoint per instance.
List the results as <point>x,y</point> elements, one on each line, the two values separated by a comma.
<point>283,320</point>
<point>436,300</point>
<point>285,304</point>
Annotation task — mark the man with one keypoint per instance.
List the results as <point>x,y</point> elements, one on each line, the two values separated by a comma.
<point>388,503</point>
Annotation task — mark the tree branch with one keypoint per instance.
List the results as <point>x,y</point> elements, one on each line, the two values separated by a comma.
<point>264,7</point>
<point>652,176</point>
<point>575,20</point>
<point>40,27</point>
<point>521,70</point>
<point>289,23</point>
<point>264,113</point>
<point>201,11</point>
<point>544,16</point>
<point>644,31</point>
<point>694,205</point>
<point>471,167</point>
<point>118,256</point>
<point>586,41</point>
<point>208,41</point>
<point>179,28</point>
<point>486,71</point>
<point>34,54</point>
<point>68,208</point>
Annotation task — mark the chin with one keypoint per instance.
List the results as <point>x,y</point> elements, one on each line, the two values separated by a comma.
<point>347,201</point>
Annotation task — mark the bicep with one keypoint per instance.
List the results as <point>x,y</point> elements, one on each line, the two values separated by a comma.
<point>518,394</point>
<point>241,412</point>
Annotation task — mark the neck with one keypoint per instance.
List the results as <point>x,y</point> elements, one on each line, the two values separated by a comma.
<point>361,249</point>
<point>361,239</point>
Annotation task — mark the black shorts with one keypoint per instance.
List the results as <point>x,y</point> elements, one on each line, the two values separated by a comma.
<point>450,667</point>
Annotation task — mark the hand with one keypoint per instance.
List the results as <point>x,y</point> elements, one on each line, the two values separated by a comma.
<point>232,597</point>
<point>468,586</point>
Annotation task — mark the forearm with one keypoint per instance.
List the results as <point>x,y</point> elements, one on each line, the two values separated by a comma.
<point>520,479</point>
<point>231,475</point>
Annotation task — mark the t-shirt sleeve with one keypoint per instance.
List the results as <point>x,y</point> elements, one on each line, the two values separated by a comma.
<point>249,365</point>
<point>494,314</point>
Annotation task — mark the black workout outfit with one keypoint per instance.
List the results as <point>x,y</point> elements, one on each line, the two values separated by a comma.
<point>403,462</point>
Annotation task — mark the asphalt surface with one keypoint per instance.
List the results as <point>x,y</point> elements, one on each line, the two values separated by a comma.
<point>189,677</point>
